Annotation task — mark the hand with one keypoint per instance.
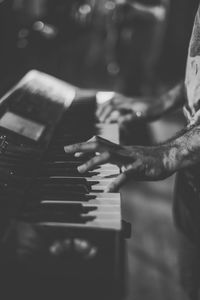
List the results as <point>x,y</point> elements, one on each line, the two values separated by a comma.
<point>137,162</point>
<point>125,109</point>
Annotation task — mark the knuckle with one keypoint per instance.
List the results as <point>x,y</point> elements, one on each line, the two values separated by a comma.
<point>95,138</point>
<point>78,146</point>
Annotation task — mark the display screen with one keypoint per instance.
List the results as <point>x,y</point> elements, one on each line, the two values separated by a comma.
<point>22,126</point>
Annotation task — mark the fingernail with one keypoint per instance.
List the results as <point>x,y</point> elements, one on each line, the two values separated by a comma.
<point>67,149</point>
<point>77,154</point>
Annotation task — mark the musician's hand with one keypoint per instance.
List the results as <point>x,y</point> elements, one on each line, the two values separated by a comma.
<point>120,108</point>
<point>137,162</point>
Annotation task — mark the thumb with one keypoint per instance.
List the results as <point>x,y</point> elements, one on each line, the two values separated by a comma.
<point>117,183</point>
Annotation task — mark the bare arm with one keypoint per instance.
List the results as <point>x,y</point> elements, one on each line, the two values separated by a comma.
<point>174,99</point>
<point>186,147</point>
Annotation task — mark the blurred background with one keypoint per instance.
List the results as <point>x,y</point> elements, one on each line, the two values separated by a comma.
<point>133,47</point>
<point>126,45</point>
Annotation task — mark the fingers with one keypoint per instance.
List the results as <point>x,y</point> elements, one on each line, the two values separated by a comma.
<point>100,109</point>
<point>105,112</point>
<point>97,160</point>
<point>131,172</point>
<point>98,145</point>
<point>95,144</point>
<point>117,183</point>
<point>114,117</point>
<point>81,147</point>
<point>95,139</point>
<point>129,109</point>
<point>104,99</point>
<point>109,114</point>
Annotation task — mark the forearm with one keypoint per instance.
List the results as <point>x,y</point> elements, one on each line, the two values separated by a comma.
<point>174,98</point>
<point>184,150</point>
<point>162,104</point>
<point>170,101</point>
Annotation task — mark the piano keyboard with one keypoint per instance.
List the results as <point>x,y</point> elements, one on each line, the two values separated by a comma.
<point>61,188</point>
<point>48,200</point>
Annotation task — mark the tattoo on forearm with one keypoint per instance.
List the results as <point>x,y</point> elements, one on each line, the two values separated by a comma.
<point>187,146</point>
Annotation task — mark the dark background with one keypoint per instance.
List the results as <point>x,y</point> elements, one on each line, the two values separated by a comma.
<point>112,49</point>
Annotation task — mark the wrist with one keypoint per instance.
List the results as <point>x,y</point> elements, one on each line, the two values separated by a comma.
<point>172,158</point>
<point>151,108</point>
<point>175,98</point>
<point>84,93</point>
<point>178,155</point>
